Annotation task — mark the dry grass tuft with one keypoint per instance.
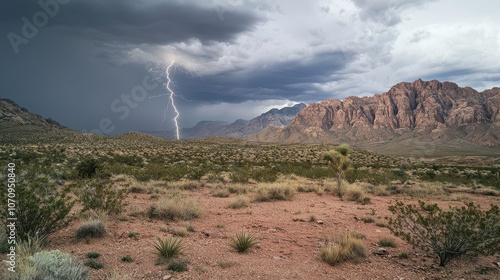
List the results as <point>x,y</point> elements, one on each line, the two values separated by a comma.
<point>346,248</point>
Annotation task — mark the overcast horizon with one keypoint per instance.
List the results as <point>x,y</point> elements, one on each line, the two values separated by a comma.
<point>101,65</point>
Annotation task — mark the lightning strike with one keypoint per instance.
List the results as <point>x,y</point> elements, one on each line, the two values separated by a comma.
<point>171,100</point>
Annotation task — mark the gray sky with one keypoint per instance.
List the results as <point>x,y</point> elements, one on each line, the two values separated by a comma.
<point>94,64</point>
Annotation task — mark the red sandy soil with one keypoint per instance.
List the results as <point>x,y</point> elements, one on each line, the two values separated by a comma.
<point>289,242</point>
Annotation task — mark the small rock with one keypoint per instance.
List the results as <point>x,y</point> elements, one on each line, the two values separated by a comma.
<point>497,263</point>
<point>380,251</point>
<point>319,222</point>
<point>206,233</point>
<point>167,277</point>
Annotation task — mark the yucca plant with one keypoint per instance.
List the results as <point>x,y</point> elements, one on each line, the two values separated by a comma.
<point>169,247</point>
<point>243,241</point>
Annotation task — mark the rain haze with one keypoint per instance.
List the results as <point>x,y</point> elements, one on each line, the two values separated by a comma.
<point>80,62</point>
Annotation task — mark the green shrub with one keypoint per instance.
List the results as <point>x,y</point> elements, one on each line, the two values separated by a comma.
<point>387,242</point>
<point>58,265</point>
<point>451,233</point>
<point>87,168</point>
<point>133,234</point>
<point>127,258</point>
<point>403,255</point>
<point>169,247</point>
<point>93,255</point>
<point>346,248</point>
<point>178,265</point>
<point>94,264</point>
<point>174,208</point>
<point>101,195</point>
<point>41,209</point>
<point>242,242</point>
<point>367,220</point>
<point>91,229</point>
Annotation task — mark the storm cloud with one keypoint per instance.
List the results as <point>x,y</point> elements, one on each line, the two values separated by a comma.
<point>78,61</point>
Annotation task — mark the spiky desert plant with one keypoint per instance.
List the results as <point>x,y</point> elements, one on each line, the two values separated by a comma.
<point>169,247</point>
<point>242,242</point>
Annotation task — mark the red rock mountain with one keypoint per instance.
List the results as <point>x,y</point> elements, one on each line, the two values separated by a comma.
<point>428,110</point>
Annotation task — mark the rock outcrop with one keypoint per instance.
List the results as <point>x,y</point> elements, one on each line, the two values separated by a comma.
<point>428,109</point>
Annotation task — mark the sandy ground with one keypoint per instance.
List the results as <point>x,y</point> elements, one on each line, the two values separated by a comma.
<point>288,248</point>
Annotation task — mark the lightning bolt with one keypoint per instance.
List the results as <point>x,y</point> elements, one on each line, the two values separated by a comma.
<point>171,100</point>
<point>171,95</point>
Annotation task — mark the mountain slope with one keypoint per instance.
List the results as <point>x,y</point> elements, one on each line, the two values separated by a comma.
<point>239,128</point>
<point>430,111</point>
<point>14,117</point>
<point>19,125</point>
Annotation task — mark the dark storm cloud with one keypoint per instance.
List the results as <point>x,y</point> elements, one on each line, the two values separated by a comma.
<point>286,80</point>
<point>139,22</point>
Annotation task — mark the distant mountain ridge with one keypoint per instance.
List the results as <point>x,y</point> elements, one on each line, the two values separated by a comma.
<point>428,110</point>
<point>13,116</point>
<point>276,118</point>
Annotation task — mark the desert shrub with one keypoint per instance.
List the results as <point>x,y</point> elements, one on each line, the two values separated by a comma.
<point>354,192</point>
<point>101,195</point>
<point>91,229</point>
<point>448,233</point>
<point>242,242</point>
<point>130,160</point>
<point>387,242</point>
<point>87,168</point>
<point>367,220</point>
<point>220,193</point>
<point>239,202</point>
<point>137,189</point>
<point>174,208</point>
<point>127,258</point>
<point>345,248</point>
<point>179,231</point>
<point>94,264</point>
<point>178,265</point>
<point>274,191</point>
<point>169,247</point>
<point>241,175</point>
<point>237,189</point>
<point>57,265</point>
<point>93,255</point>
<point>41,208</point>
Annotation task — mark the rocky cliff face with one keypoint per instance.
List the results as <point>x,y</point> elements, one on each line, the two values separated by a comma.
<point>428,109</point>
